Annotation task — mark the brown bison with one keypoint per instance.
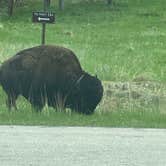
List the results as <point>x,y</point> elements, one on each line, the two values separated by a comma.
<point>52,75</point>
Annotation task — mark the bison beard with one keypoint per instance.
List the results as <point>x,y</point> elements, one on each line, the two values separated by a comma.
<point>52,75</point>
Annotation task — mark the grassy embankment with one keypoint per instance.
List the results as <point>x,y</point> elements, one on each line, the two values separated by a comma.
<point>118,43</point>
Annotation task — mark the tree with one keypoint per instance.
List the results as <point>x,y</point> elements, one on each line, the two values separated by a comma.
<point>10,7</point>
<point>10,4</point>
<point>47,3</point>
<point>61,4</point>
<point>109,2</point>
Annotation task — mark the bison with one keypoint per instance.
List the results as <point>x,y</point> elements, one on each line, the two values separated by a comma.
<point>50,74</point>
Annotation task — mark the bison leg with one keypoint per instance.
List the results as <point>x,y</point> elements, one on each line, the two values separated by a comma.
<point>37,102</point>
<point>37,106</point>
<point>11,101</point>
<point>57,101</point>
<point>37,95</point>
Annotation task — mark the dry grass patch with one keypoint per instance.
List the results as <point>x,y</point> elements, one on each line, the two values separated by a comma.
<point>133,96</point>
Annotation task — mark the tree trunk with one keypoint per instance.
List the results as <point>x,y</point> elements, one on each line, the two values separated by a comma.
<point>61,4</point>
<point>10,7</point>
<point>48,2</point>
<point>109,2</point>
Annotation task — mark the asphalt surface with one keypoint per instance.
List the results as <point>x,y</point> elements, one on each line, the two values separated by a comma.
<point>81,146</point>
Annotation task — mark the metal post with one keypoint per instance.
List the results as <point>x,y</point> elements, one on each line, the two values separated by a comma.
<point>44,24</point>
<point>43,33</point>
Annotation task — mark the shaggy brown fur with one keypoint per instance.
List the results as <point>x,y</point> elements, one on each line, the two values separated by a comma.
<point>50,74</point>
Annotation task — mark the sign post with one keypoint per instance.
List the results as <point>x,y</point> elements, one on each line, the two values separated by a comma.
<point>44,24</point>
<point>43,17</point>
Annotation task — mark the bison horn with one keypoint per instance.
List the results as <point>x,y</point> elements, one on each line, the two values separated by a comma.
<point>78,81</point>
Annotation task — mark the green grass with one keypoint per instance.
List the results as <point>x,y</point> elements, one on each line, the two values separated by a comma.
<point>126,39</point>
<point>118,43</point>
<point>119,118</point>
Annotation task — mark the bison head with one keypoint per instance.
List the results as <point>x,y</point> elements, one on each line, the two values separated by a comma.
<point>90,92</point>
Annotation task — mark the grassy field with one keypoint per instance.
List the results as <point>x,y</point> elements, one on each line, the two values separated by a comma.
<point>121,42</point>
<point>113,119</point>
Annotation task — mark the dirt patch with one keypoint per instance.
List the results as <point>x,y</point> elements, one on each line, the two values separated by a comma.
<point>134,95</point>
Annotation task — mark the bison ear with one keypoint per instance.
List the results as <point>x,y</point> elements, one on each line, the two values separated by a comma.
<point>96,76</point>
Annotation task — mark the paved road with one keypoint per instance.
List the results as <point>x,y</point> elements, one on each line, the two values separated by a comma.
<point>76,146</point>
